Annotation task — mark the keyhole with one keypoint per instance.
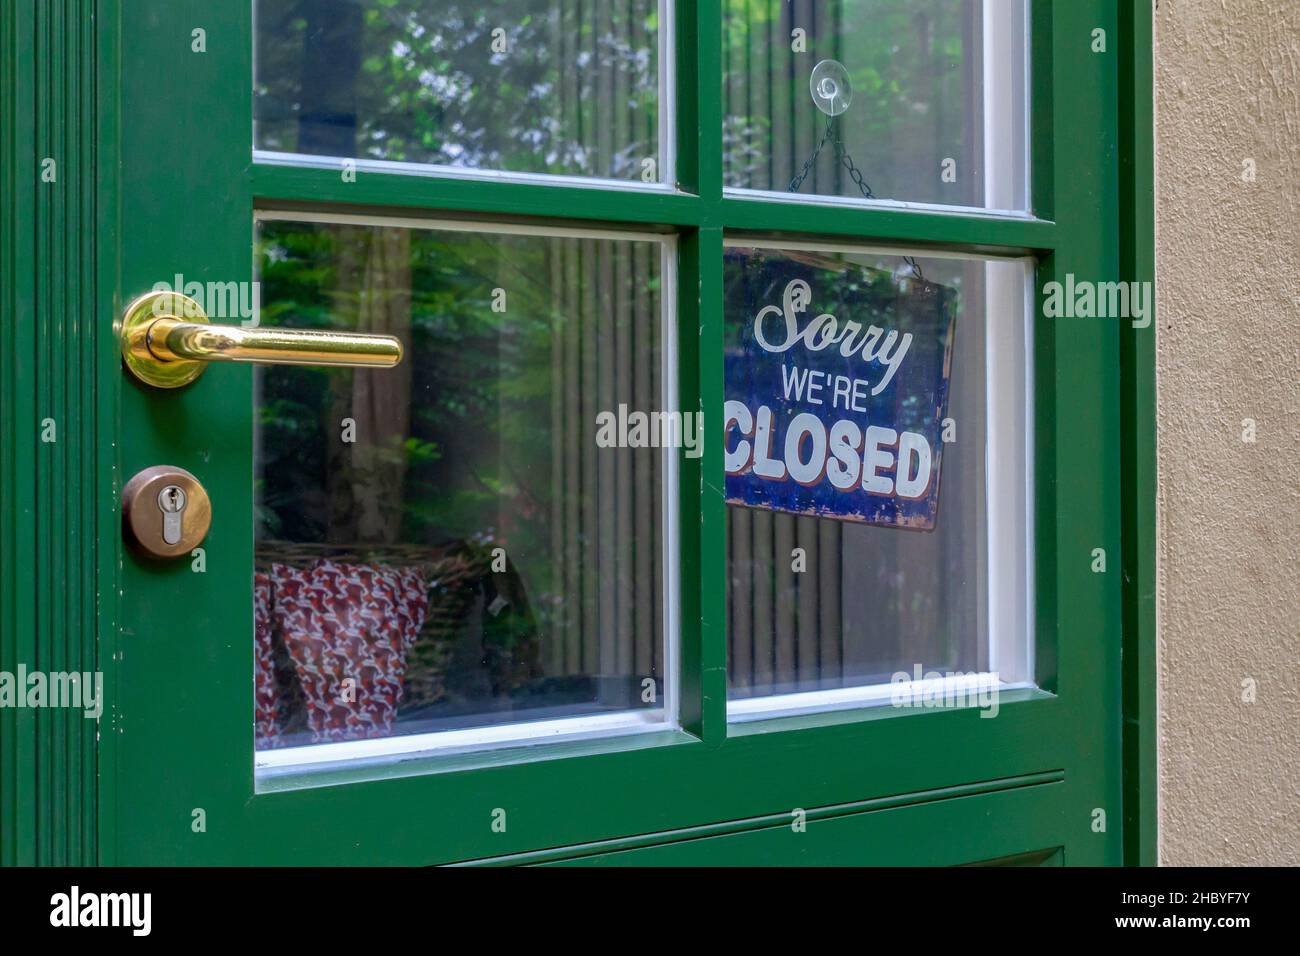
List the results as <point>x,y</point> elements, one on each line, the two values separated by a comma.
<point>171,501</point>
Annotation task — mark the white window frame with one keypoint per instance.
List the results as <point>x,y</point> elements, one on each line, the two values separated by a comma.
<point>1006,107</point>
<point>269,763</point>
<point>666,130</point>
<point>1009,497</point>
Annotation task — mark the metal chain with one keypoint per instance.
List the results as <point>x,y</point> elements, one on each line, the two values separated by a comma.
<point>812,160</point>
<point>842,154</point>
<point>844,159</point>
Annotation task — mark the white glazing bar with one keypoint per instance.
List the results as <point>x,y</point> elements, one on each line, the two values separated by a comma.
<point>430,170</point>
<point>1008,466</point>
<point>1006,116</point>
<point>670,514</point>
<point>809,199</point>
<point>953,690</point>
<point>463,741</point>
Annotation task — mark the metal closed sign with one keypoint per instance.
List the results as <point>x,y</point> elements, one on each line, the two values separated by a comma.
<point>836,387</point>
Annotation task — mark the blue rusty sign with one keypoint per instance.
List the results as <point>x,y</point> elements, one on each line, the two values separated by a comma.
<point>836,387</point>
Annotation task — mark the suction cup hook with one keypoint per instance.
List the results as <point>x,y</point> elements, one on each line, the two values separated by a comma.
<point>831,89</point>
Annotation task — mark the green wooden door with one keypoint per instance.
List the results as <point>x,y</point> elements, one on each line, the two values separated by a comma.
<point>630,210</point>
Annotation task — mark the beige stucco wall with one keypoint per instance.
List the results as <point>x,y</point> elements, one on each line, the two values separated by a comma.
<point>1228,341</point>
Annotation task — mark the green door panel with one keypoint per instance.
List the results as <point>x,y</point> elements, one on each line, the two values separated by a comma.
<point>1054,856</point>
<point>176,752</point>
<point>993,827</point>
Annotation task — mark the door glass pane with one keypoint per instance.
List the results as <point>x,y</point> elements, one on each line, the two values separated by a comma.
<point>526,86</point>
<point>877,459</point>
<point>914,100</point>
<point>442,547</point>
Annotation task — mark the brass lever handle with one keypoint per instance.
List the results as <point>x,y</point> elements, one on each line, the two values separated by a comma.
<point>171,340</point>
<point>167,351</point>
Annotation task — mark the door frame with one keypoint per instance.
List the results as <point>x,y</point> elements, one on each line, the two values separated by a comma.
<point>60,263</point>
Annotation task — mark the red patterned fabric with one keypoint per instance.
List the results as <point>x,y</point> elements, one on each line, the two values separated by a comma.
<point>266,696</point>
<point>349,622</point>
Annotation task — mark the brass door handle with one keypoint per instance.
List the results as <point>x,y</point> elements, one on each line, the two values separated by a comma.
<point>167,342</point>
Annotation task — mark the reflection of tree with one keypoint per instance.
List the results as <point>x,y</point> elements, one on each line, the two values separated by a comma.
<point>914,72</point>
<point>367,475</point>
<point>490,437</point>
<point>576,91</point>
